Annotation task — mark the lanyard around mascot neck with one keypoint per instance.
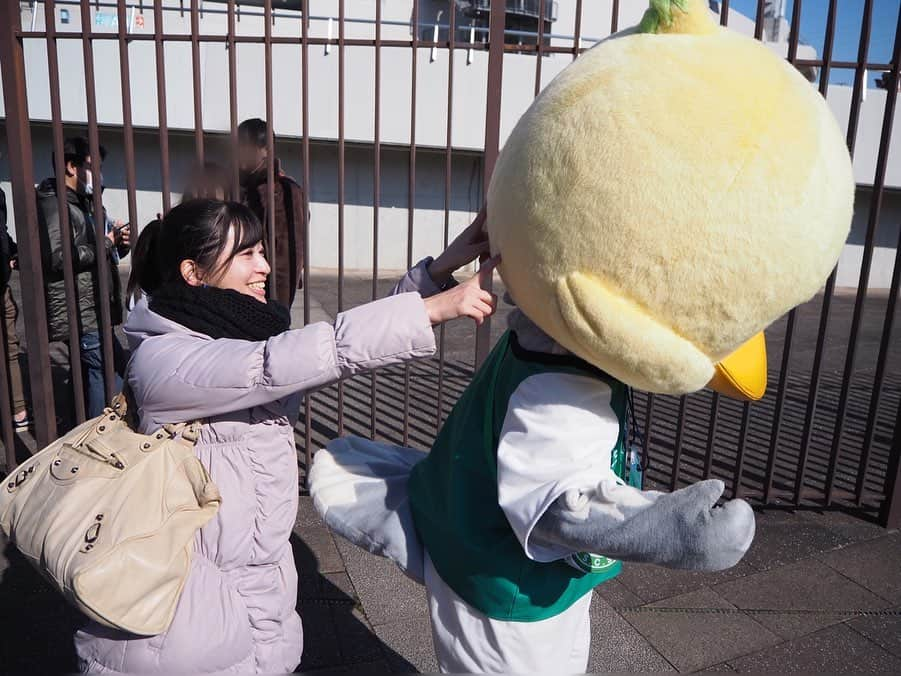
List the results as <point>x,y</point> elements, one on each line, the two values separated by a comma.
<point>634,435</point>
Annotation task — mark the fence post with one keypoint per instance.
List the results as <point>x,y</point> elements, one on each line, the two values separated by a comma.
<point>18,138</point>
<point>890,511</point>
<point>496,39</point>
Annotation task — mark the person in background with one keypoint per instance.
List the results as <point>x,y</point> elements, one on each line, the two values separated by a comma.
<point>8,263</point>
<point>82,174</point>
<point>290,212</point>
<point>210,181</point>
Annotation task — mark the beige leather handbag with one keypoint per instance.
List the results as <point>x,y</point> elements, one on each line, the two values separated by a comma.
<point>109,515</point>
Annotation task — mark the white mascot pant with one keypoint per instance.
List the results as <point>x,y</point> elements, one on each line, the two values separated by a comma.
<point>466,641</point>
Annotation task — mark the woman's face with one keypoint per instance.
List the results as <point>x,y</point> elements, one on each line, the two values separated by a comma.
<point>246,272</point>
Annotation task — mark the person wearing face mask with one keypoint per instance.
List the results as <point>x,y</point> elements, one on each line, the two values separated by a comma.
<point>290,216</point>
<point>82,174</point>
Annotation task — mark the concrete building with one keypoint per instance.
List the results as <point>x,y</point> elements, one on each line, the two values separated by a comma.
<point>397,114</point>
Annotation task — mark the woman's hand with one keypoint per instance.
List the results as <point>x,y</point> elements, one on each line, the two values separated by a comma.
<point>468,299</point>
<point>469,245</point>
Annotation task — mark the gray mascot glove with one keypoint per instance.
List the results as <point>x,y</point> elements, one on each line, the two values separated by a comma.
<point>683,529</point>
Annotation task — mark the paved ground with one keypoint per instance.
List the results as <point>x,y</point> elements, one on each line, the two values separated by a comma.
<point>819,591</point>
<point>816,593</point>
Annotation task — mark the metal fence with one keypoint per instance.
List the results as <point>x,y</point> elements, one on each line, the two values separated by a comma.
<point>823,438</point>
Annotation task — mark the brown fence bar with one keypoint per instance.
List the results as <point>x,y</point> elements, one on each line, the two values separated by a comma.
<point>198,83</point>
<point>813,393</point>
<point>794,37</point>
<point>270,148</point>
<point>863,283</point>
<point>538,45</point>
<point>742,446</point>
<point>161,104</point>
<point>232,47</point>
<point>363,42</point>
<point>105,328</point>
<point>648,417</point>
<point>448,170</point>
<point>411,201</point>
<point>18,138</point>
<point>614,19</point>
<point>677,452</point>
<point>293,40</point>
<point>127,130</point>
<point>890,509</point>
<point>59,164</point>
<point>496,39</point>
<point>860,82</point>
<point>711,434</point>
<point>715,402</point>
<point>305,122</point>
<point>577,31</point>
<point>876,396</point>
<point>376,196</point>
<point>758,20</point>
<point>341,184</point>
<point>6,414</point>
<point>771,455</point>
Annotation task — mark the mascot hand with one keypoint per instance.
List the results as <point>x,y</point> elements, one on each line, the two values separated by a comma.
<point>683,529</point>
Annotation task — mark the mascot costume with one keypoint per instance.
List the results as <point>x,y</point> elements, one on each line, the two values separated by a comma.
<point>669,195</point>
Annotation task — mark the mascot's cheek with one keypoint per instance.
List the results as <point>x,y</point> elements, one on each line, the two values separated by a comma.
<point>609,330</point>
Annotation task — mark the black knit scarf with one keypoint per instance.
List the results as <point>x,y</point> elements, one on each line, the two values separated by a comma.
<point>220,313</point>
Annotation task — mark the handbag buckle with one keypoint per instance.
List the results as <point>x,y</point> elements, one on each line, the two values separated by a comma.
<point>21,477</point>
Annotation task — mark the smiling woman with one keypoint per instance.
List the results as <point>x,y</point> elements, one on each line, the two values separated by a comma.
<point>208,345</point>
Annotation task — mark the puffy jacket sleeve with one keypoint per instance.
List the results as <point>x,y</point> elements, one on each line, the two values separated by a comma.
<point>418,279</point>
<point>179,377</point>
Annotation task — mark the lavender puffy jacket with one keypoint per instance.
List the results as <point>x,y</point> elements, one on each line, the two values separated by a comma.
<point>236,613</point>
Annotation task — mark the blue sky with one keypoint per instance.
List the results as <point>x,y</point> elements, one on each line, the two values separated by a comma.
<point>847,35</point>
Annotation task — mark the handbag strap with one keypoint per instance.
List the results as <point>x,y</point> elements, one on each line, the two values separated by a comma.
<point>187,433</point>
<point>124,405</point>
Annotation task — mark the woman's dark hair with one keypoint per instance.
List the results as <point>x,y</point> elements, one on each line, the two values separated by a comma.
<point>195,230</point>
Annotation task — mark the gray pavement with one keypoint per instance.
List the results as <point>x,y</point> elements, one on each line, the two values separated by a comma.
<point>819,590</point>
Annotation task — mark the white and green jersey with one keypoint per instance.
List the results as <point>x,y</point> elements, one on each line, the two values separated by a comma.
<point>530,427</point>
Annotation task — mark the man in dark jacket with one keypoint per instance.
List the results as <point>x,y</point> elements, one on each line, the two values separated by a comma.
<point>290,212</point>
<point>82,176</point>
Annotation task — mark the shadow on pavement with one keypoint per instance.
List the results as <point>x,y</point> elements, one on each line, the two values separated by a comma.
<point>36,625</point>
<point>337,636</point>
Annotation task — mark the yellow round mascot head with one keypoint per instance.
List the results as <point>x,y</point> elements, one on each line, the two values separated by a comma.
<point>669,195</point>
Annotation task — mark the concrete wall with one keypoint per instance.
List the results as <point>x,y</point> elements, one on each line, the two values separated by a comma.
<point>887,237</point>
<point>428,223</point>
